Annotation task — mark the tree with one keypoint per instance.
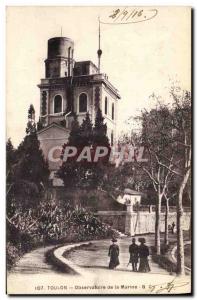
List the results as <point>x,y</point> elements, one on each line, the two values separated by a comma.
<point>86,131</point>
<point>10,155</point>
<point>32,166</point>
<point>10,161</point>
<point>83,174</point>
<point>39,125</point>
<point>182,141</point>
<point>156,138</point>
<point>31,125</point>
<point>100,130</point>
<point>167,136</point>
<point>169,194</point>
<point>28,170</point>
<point>31,112</point>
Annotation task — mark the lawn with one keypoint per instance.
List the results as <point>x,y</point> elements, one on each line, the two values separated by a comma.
<point>187,250</point>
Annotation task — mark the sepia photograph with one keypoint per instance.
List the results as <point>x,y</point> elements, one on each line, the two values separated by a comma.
<point>99,150</point>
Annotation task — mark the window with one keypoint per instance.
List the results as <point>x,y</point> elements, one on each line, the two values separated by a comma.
<point>105,105</point>
<point>57,104</point>
<point>83,103</point>
<point>112,111</point>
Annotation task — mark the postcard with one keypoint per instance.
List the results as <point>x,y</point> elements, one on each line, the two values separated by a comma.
<point>98,150</point>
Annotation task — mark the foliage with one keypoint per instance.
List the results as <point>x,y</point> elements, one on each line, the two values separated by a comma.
<point>27,170</point>
<point>39,125</point>
<point>86,131</point>
<point>85,174</point>
<point>10,154</point>
<point>31,112</point>
<point>13,254</point>
<point>31,125</point>
<point>49,223</point>
<point>31,164</point>
<point>100,130</point>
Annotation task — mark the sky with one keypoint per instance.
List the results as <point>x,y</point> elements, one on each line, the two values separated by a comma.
<point>139,58</point>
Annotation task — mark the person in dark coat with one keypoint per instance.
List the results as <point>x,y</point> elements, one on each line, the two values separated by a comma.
<point>143,255</point>
<point>133,250</point>
<point>173,227</point>
<point>113,254</point>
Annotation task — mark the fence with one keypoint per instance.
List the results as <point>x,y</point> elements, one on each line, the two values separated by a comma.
<point>140,222</point>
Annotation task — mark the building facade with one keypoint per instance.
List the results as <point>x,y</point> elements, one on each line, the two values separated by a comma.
<point>71,87</point>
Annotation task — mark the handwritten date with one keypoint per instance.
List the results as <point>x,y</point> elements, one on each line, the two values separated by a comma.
<point>129,15</point>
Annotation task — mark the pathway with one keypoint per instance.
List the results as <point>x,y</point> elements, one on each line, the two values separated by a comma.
<point>95,257</point>
<point>33,275</point>
<point>34,262</point>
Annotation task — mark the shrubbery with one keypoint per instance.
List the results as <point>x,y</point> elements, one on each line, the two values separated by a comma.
<point>51,224</point>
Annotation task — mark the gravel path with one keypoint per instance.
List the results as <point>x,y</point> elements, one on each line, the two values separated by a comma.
<point>34,263</point>
<point>95,257</point>
<point>33,275</point>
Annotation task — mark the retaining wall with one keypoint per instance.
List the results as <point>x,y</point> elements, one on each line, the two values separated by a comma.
<point>139,222</point>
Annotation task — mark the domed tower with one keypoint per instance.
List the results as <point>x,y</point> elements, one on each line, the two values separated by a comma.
<point>59,62</point>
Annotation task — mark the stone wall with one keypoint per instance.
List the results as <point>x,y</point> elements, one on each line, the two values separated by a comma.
<point>139,222</point>
<point>116,219</point>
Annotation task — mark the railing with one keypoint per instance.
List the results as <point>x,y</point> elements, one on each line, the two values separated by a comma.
<point>79,79</point>
<point>55,80</point>
<point>163,208</point>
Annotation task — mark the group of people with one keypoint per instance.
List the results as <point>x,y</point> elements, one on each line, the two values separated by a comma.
<point>138,254</point>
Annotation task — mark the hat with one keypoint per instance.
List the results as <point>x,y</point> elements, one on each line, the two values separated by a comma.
<point>114,240</point>
<point>142,240</point>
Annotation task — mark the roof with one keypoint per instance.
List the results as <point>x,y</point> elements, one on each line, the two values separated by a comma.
<point>60,38</point>
<point>132,192</point>
<point>53,124</point>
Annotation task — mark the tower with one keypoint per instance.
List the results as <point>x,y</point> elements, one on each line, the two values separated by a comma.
<point>71,87</point>
<point>59,62</point>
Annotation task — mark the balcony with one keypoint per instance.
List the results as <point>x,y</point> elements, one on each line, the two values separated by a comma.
<point>77,80</point>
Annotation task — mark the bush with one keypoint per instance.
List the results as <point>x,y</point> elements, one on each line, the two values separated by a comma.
<point>163,260</point>
<point>52,224</point>
<point>13,254</point>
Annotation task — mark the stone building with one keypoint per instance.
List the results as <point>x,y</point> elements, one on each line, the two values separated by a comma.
<point>71,87</point>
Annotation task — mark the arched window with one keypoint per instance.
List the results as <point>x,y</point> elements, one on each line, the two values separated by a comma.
<point>112,111</point>
<point>83,103</point>
<point>106,105</point>
<point>57,104</point>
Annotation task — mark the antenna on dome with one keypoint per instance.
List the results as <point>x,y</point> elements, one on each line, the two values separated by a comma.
<point>99,52</point>
<point>61,31</point>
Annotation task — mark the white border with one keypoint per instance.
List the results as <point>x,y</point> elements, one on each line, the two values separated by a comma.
<point>3,4</point>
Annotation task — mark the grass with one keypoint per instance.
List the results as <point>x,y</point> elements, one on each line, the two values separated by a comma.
<point>164,260</point>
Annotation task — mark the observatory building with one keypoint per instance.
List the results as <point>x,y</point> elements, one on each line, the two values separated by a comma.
<point>72,87</point>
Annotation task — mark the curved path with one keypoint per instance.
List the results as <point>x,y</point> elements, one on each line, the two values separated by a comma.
<point>33,263</point>
<point>95,257</point>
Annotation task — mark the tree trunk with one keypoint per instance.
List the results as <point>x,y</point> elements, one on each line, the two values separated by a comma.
<point>180,242</point>
<point>166,239</point>
<point>190,223</point>
<point>157,224</point>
